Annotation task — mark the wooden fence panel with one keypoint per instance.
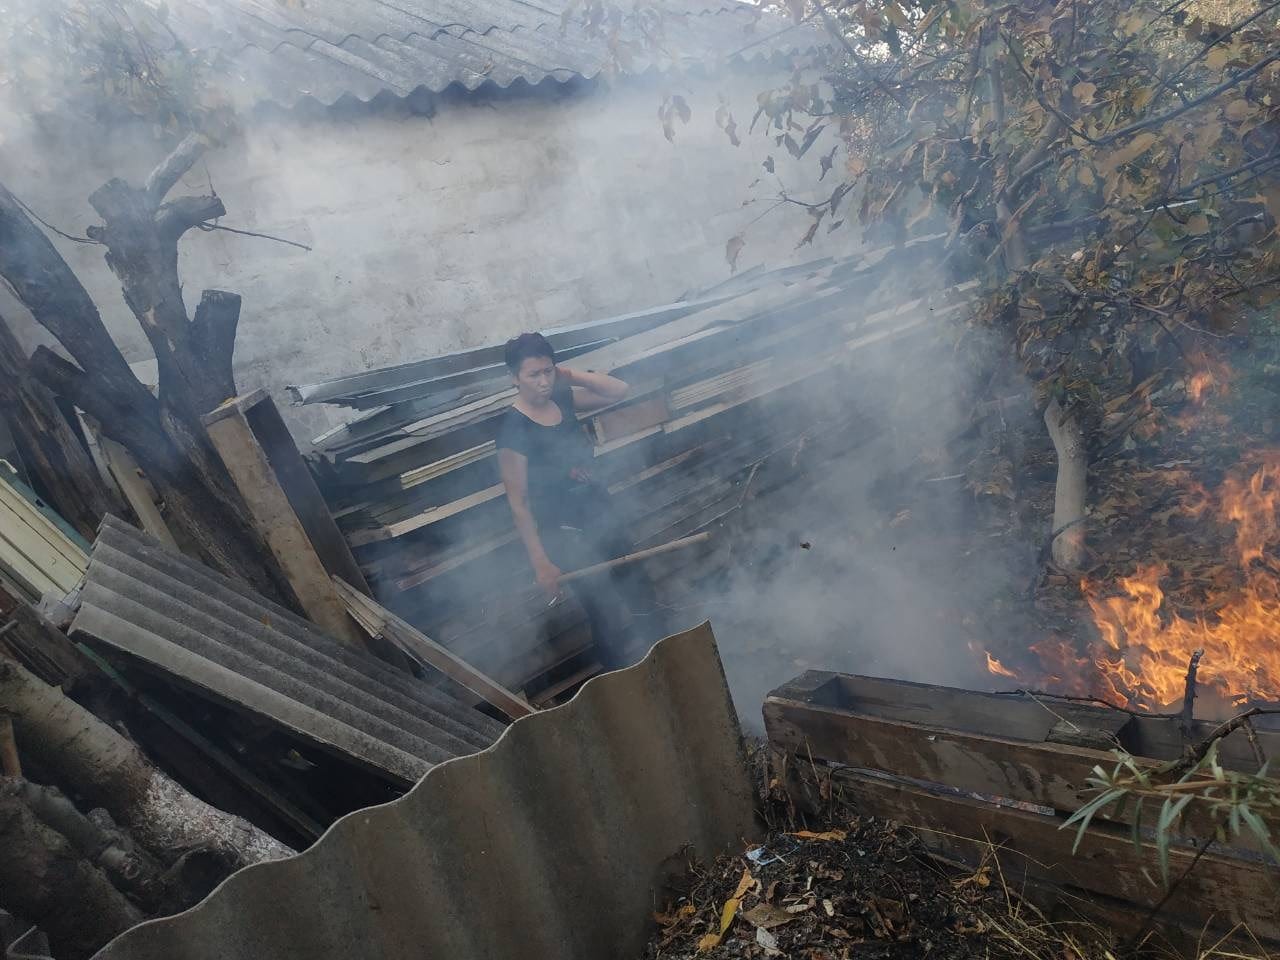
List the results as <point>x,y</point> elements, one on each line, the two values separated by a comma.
<point>1219,893</point>
<point>979,774</point>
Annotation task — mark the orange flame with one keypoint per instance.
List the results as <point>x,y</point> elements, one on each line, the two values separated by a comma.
<point>998,668</point>
<point>1145,646</point>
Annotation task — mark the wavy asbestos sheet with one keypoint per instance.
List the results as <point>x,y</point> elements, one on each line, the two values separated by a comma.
<point>552,843</point>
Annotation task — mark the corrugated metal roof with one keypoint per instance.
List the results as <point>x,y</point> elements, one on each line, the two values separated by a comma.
<point>328,50</point>
<point>554,842</point>
<point>183,618</point>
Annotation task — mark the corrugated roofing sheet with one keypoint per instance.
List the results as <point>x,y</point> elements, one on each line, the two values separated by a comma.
<point>328,50</point>
<point>554,842</point>
<point>186,620</point>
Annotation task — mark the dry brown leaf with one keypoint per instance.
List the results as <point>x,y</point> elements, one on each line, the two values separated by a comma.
<point>766,915</point>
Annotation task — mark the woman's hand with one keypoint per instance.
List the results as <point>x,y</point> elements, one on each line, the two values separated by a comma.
<point>591,389</point>
<point>548,576</point>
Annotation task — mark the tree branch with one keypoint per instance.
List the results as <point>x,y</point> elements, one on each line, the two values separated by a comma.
<point>1166,83</point>
<point>213,337</point>
<point>133,425</point>
<point>1221,88</point>
<point>1222,731</point>
<point>834,29</point>
<point>56,298</point>
<point>176,217</point>
<point>161,180</point>
<point>1186,719</point>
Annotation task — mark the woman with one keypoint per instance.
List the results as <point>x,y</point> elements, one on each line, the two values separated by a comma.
<point>562,515</point>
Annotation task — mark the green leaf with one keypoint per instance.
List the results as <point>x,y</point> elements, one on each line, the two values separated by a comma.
<point>1082,817</point>
<point>1169,813</point>
<point>1260,830</point>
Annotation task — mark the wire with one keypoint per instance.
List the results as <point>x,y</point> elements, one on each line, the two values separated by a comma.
<point>49,226</point>
<point>208,227</point>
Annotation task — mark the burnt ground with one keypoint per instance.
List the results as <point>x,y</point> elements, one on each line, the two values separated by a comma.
<point>851,887</point>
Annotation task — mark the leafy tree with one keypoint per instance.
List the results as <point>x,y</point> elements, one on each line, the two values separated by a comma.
<point>1109,169</point>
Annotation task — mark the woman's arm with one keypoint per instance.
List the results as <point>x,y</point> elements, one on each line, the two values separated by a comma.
<point>591,389</point>
<point>514,468</point>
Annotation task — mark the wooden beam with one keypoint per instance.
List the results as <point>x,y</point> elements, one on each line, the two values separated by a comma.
<point>277,522</point>
<point>378,621</point>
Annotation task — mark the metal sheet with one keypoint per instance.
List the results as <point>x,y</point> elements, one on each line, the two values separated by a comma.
<point>551,843</point>
<point>209,630</point>
<point>330,50</point>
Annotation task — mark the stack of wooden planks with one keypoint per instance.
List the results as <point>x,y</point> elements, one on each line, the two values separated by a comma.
<point>727,388</point>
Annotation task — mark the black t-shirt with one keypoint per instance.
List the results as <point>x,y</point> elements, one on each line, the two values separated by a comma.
<point>560,459</point>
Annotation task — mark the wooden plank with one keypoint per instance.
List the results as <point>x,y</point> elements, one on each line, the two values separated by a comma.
<point>35,552</point>
<point>1220,892</point>
<point>548,697</point>
<point>381,622</point>
<point>458,559</point>
<point>1010,753</point>
<point>1043,773</point>
<point>28,637</point>
<point>277,523</point>
<point>360,538</point>
<point>137,490</point>
<point>624,420</point>
<point>299,486</point>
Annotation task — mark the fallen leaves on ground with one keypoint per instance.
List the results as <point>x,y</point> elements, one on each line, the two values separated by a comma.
<point>863,890</point>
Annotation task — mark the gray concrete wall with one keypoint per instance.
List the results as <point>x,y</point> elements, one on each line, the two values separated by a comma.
<point>495,215</point>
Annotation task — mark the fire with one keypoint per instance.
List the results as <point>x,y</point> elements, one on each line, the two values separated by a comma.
<point>998,668</point>
<point>1212,377</point>
<point>1199,384</point>
<point>1145,645</point>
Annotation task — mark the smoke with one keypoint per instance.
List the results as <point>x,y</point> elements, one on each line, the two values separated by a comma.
<point>437,223</point>
<point>883,559</point>
<point>444,223</point>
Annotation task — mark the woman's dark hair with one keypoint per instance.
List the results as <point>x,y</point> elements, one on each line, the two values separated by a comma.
<point>526,346</point>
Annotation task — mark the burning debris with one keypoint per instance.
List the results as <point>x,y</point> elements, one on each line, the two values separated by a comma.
<point>1167,610</point>
<point>1185,557</point>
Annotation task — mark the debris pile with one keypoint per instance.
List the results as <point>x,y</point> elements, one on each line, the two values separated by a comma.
<point>162,726</point>
<point>865,889</point>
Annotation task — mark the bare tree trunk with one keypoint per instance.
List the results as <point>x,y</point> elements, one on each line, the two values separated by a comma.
<point>1070,492</point>
<point>45,879</point>
<point>80,750</point>
<point>60,466</point>
<point>164,434</point>
<point>131,871</point>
